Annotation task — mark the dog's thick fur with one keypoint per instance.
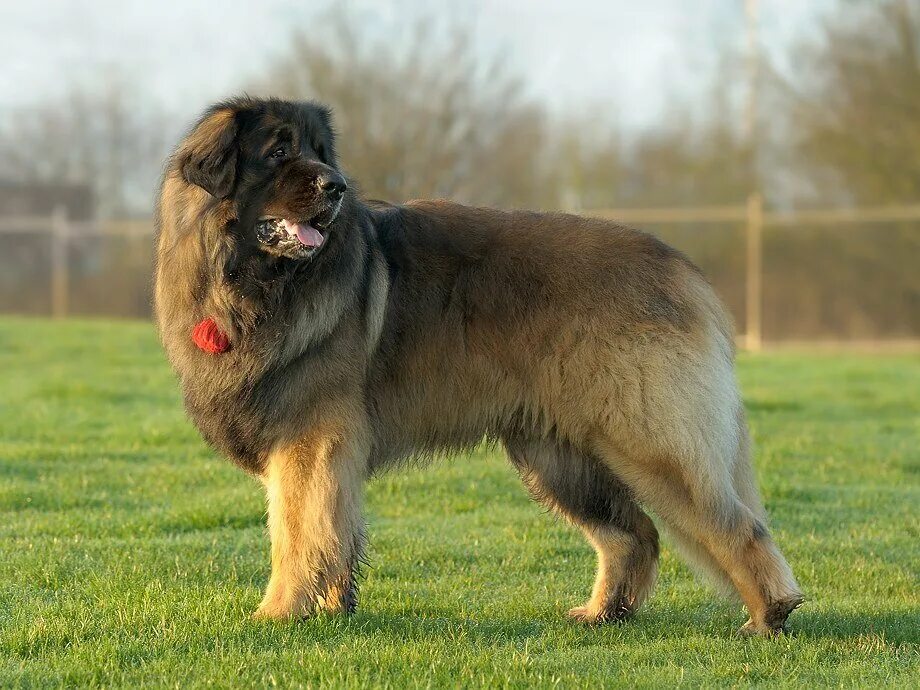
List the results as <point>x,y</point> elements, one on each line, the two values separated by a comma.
<point>597,355</point>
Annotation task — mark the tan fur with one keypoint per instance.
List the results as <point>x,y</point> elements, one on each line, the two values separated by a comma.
<point>622,582</point>
<point>315,524</point>
<point>601,359</point>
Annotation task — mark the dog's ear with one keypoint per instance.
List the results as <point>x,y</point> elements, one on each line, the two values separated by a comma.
<point>209,154</point>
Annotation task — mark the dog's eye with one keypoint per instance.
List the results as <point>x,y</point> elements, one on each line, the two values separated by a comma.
<point>278,153</point>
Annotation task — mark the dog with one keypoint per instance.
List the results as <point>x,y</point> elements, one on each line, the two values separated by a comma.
<point>319,338</point>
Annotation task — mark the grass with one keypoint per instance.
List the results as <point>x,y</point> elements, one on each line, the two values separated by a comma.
<point>131,555</point>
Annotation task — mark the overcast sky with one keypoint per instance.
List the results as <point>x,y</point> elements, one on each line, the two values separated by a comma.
<point>630,55</point>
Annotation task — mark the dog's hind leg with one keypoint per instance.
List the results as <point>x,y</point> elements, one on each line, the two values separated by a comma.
<point>674,433</point>
<point>314,520</point>
<point>714,524</point>
<point>586,493</point>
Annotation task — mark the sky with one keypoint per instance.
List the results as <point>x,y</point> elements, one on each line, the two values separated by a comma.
<point>631,57</point>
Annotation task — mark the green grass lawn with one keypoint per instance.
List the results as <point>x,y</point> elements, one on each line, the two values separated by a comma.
<point>131,555</point>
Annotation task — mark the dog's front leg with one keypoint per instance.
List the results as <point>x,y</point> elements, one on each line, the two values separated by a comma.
<point>314,520</point>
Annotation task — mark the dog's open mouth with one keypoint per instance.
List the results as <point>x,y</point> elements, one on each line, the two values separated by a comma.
<point>308,235</point>
<point>302,237</point>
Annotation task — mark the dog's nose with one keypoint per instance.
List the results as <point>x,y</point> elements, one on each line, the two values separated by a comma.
<point>332,184</point>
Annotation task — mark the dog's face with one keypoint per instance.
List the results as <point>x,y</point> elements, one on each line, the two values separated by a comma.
<point>274,162</point>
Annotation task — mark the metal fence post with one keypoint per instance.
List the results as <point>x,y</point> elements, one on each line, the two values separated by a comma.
<point>754,273</point>
<point>60,273</point>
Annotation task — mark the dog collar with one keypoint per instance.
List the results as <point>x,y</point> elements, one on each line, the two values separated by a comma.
<point>208,337</point>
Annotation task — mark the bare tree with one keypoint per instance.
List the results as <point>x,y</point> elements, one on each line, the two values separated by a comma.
<point>854,111</point>
<point>95,134</point>
<point>424,117</point>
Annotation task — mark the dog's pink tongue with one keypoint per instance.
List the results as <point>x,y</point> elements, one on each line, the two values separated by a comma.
<point>305,233</point>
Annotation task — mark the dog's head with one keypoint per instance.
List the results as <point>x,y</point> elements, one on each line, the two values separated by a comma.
<point>274,163</point>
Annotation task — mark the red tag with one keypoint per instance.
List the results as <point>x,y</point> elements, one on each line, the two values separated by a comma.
<point>209,338</point>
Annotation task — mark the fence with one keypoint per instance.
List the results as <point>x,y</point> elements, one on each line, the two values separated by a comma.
<point>62,233</point>
<point>60,236</point>
<point>755,219</point>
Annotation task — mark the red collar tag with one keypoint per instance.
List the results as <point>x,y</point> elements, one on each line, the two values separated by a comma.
<point>209,338</point>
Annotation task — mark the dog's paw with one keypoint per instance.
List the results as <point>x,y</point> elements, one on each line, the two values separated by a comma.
<point>774,622</point>
<point>270,613</point>
<point>755,629</point>
<point>273,610</point>
<point>612,613</point>
<point>581,614</point>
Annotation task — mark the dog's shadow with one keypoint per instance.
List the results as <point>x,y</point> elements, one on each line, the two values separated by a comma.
<point>717,621</point>
<point>894,627</point>
<point>446,625</point>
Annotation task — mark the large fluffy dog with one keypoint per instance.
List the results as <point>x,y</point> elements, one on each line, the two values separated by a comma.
<point>361,334</point>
